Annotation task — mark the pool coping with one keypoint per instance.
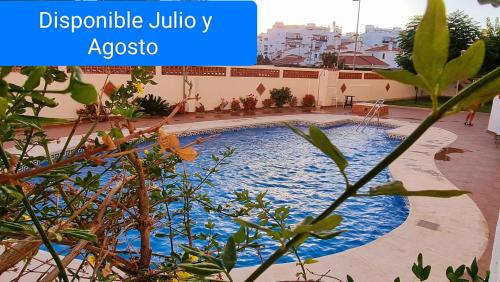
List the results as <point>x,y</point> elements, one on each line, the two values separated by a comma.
<point>446,231</point>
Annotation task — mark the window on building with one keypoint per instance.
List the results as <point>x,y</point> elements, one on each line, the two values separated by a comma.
<point>383,56</point>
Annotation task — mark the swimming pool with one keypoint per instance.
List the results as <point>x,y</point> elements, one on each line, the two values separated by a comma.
<point>296,174</point>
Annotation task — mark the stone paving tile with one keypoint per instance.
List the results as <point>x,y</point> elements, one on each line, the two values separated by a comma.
<point>475,170</point>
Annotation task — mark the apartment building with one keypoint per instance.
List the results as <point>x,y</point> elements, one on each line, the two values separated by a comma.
<point>302,45</point>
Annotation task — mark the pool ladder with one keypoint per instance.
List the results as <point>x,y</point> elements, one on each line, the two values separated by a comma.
<point>374,111</point>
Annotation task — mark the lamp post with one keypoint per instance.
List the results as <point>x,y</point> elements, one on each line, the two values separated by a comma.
<point>356,36</point>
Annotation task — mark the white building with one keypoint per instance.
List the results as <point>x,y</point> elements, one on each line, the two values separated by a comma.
<point>307,41</point>
<point>375,36</point>
<point>303,44</point>
<point>385,52</point>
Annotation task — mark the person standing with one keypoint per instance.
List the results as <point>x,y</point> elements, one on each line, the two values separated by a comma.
<point>473,108</point>
<point>472,113</point>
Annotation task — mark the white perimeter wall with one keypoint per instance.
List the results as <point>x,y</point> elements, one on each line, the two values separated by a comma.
<point>213,88</point>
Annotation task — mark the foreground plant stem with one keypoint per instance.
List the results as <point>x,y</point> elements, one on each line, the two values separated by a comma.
<point>403,147</point>
<point>45,239</point>
<point>144,223</point>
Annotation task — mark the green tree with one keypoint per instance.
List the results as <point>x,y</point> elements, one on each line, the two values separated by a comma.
<point>491,37</point>
<point>263,60</point>
<point>405,41</point>
<point>329,59</point>
<point>464,30</point>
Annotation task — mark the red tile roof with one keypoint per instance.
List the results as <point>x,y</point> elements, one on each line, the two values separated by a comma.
<point>363,60</point>
<point>384,47</point>
<point>289,60</point>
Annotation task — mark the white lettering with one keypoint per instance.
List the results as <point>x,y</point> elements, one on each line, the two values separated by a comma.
<point>44,15</point>
<point>207,23</point>
<point>109,49</point>
<point>94,46</point>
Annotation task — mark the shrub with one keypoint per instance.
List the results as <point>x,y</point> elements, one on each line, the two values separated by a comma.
<point>293,102</point>
<point>90,112</point>
<point>267,103</point>
<point>281,96</point>
<point>235,105</point>
<point>200,108</point>
<point>249,102</point>
<point>308,101</point>
<point>223,104</point>
<point>154,105</point>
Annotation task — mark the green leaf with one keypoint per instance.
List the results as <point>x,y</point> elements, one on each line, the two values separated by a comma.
<point>201,269</point>
<point>473,270</point>
<point>426,272</point>
<point>483,94</point>
<point>229,255</point>
<point>310,261</point>
<point>328,223</point>
<point>4,89</point>
<point>397,188</point>
<point>36,122</point>
<point>198,253</point>
<point>239,237</point>
<point>299,132</point>
<point>40,99</point>
<point>82,92</point>
<point>4,104</point>
<point>76,72</point>
<point>432,40</point>
<point>465,66</point>
<point>349,279</point>
<point>17,228</point>
<point>317,138</point>
<point>34,78</point>
<point>326,235</point>
<point>252,225</point>
<point>11,192</point>
<point>79,234</point>
<point>321,141</point>
<point>405,77</point>
<point>4,71</point>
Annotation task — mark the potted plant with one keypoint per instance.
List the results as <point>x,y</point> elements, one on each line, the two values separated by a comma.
<point>308,103</point>
<point>293,103</point>
<point>281,97</point>
<point>235,107</point>
<point>200,109</point>
<point>89,113</point>
<point>267,104</point>
<point>222,105</point>
<point>249,104</point>
<point>154,106</point>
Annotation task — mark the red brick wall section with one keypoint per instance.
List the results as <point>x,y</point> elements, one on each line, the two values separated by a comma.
<point>247,72</point>
<point>350,75</point>
<point>372,75</point>
<point>195,71</point>
<point>105,70</point>
<point>300,74</point>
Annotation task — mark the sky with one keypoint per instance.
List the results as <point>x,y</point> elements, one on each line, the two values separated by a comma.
<point>381,13</point>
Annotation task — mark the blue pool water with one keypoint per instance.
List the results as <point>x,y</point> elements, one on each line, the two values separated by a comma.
<point>296,174</point>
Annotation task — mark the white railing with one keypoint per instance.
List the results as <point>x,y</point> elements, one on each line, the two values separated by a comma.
<point>374,111</point>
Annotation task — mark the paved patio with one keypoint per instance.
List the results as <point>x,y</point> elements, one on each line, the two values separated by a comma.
<point>475,170</point>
